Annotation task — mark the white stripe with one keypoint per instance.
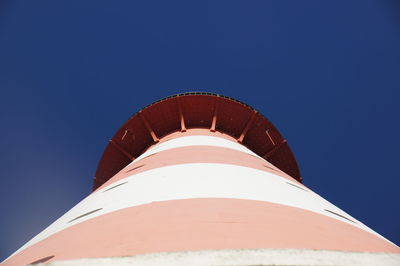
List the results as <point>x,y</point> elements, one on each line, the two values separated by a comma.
<point>200,180</point>
<point>241,257</point>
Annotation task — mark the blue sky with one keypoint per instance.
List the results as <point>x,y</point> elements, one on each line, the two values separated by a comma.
<point>327,74</point>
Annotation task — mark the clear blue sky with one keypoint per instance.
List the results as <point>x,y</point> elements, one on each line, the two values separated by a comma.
<point>326,73</point>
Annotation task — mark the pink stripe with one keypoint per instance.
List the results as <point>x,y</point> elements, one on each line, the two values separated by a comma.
<point>201,224</point>
<point>196,132</point>
<point>197,154</point>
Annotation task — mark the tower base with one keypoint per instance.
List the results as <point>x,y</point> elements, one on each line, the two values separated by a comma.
<point>242,257</point>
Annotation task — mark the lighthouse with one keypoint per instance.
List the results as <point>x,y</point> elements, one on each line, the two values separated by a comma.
<point>203,179</point>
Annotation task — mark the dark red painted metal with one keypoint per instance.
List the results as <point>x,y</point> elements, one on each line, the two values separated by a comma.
<point>195,110</point>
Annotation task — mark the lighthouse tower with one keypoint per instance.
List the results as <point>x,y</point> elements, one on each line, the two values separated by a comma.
<point>203,179</point>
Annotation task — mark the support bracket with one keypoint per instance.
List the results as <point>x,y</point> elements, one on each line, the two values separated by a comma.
<point>181,117</point>
<point>151,131</point>
<point>269,136</point>
<point>122,150</point>
<point>214,120</point>
<point>276,147</point>
<point>240,139</point>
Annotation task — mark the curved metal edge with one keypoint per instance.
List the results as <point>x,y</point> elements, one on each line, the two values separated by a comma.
<point>278,154</point>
